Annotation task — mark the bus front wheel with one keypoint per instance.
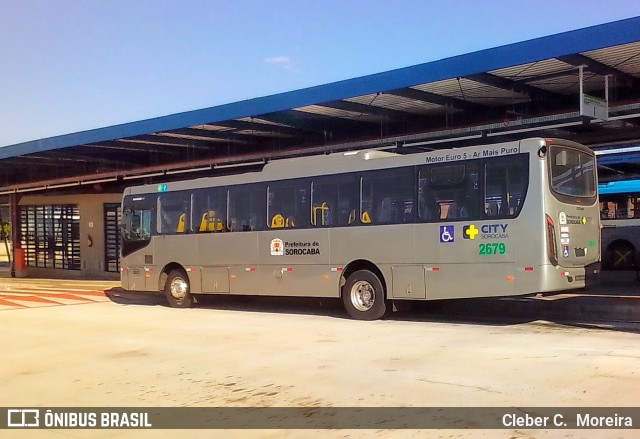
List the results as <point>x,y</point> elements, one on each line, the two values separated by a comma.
<point>177,290</point>
<point>363,296</point>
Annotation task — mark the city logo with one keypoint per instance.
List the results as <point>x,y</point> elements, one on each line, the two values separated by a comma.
<point>447,234</point>
<point>486,231</point>
<point>470,232</point>
<point>277,247</point>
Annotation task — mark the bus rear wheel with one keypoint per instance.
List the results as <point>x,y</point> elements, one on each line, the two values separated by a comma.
<point>363,296</point>
<point>177,290</point>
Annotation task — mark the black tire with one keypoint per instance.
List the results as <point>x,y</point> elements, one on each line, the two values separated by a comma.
<point>363,296</point>
<point>177,290</point>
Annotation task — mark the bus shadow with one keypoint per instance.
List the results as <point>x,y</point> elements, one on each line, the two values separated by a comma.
<point>586,312</point>
<point>596,310</point>
<point>280,305</point>
<point>578,311</point>
<point>121,297</point>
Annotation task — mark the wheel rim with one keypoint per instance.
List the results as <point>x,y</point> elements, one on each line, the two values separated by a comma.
<point>178,288</point>
<point>362,295</point>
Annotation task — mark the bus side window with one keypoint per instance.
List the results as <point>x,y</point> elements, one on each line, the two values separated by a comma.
<point>387,211</point>
<point>492,208</point>
<point>450,192</point>
<point>209,210</point>
<point>288,204</point>
<point>173,213</point>
<point>247,209</point>
<point>453,211</point>
<point>334,200</point>
<point>505,185</point>
<point>428,207</point>
<point>388,196</point>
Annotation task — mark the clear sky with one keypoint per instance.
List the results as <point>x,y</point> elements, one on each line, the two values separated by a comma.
<point>74,65</point>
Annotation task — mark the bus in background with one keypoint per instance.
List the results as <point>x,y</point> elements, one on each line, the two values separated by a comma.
<point>372,227</point>
<point>620,214</point>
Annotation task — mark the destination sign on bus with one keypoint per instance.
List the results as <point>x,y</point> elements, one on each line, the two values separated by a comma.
<point>454,156</point>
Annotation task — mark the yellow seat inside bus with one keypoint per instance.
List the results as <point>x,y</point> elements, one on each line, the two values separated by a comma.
<point>321,215</point>
<point>210,222</point>
<point>278,222</point>
<point>182,223</point>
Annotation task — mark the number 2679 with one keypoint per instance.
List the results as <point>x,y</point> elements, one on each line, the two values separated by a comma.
<point>493,248</point>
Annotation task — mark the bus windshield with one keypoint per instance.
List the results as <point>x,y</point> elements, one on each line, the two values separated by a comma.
<point>136,224</point>
<point>573,172</point>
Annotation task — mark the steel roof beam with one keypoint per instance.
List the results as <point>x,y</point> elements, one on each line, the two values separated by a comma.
<point>313,123</point>
<point>275,128</point>
<point>371,110</point>
<point>539,79</point>
<point>117,148</point>
<point>599,68</point>
<point>534,93</point>
<point>77,161</point>
<point>296,120</point>
<point>116,157</point>
<point>434,98</point>
<point>218,138</point>
<point>26,161</point>
<point>169,142</point>
<point>61,157</point>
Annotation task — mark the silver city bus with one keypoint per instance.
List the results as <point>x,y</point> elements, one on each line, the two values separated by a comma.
<point>372,227</point>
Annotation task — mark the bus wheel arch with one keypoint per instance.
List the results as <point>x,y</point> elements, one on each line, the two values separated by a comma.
<point>364,291</point>
<point>174,281</point>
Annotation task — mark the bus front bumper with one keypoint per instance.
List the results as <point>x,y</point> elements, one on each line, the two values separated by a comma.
<point>558,278</point>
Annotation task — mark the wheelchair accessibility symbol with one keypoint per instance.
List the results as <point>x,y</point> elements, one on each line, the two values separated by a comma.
<point>447,234</point>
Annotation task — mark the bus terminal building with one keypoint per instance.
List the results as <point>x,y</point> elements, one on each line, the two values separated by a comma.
<point>61,196</point>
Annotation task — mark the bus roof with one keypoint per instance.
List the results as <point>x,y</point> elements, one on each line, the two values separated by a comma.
<point>363,160</point>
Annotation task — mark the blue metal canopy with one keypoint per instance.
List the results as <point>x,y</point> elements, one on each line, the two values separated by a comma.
<point>521,89</point>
